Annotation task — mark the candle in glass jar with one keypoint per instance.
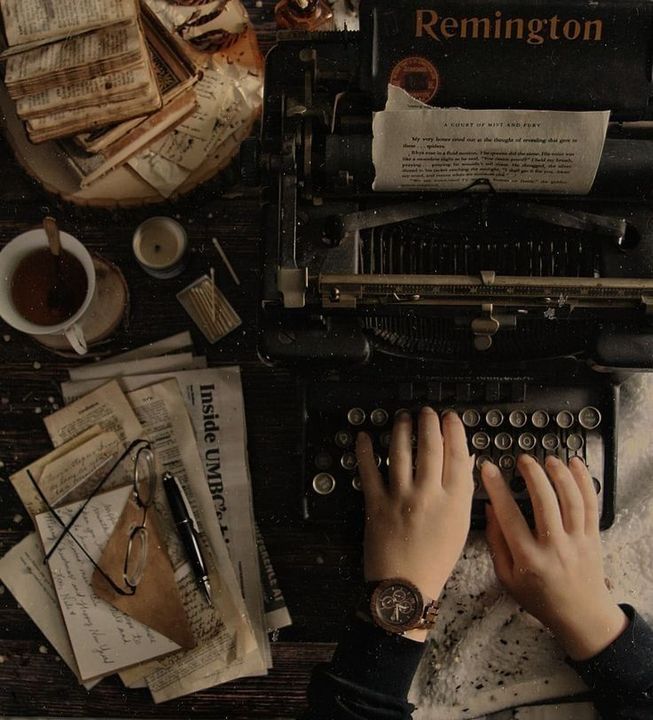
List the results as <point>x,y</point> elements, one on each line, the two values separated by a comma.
<point>160,245</point>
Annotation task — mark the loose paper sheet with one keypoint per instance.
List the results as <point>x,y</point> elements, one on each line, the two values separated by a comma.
<point>449,149</point>
<point>103,638</point>
<point>28,579</point>
<point>181,361</point>
<point>107,407</point>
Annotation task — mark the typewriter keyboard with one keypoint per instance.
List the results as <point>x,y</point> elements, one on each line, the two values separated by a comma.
<point>562,422</point>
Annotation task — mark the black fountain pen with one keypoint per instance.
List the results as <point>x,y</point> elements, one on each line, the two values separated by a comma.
<point>188,531</point>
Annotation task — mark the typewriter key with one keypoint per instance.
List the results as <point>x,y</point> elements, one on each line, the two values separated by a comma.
<point>323,461</point>
<point>385,439</point>
<point>540,419</point>
<point>482,459</point>
<point>356,416</point>
<point>379,417</point>
<point>349,461</point>
<point>507,462</point>
<point>471,418</point>
<point>324,484</point>
<point>564,419</point>
<point>575,442</point>
<point>527,441</point>
<point>597,485</point>
<point>503,441</point>
<point>344,439</point>
<point>481,441</point>
<point>377,459</point>
<point>518,418</point>
<point>356,483</point>
<point>494,418</point>
<point>589,418</point>
<point>551,441</point>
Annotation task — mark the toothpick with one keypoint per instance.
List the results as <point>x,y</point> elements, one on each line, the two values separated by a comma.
<point>225,260</point>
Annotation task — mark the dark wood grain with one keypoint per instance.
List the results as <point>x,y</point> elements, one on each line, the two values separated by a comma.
<point>318,570</point>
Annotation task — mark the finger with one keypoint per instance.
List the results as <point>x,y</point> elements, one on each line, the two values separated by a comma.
<point>569,497</point>
<point>429,448</point>
<point>456,474</point>
<point>499,550</point>
<point>546,510</point>
<point>371,480</point>
<point>401,453</point>
<point>588,493</point>
<point>509,517</point>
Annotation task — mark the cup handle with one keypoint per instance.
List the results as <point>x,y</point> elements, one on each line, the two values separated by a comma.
<point>75,336</point>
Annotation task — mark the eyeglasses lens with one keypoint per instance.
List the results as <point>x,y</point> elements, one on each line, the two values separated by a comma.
<point>144,476</point>
<point>136,557</point>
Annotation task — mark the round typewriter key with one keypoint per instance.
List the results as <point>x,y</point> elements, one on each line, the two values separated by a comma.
<point>564,419</point>
<point>324,484</point>
<point>589,418</point>
<point>597,485</point>
<point>482,459</point>
<point>518,418</point>
<point>377,459</point>
<point>356,483</point>
<point>551,441</point>
<point>379,417</point>
<point>503,441</point>
<point>518,484</point>
<point>356,416</point>
<point>481,441</point>
<point>494,418</point>
<point>540,419</point>
<point>349,461</point>
<point>471,418</point>
<point>527,441</point>
<point>323,461</point>
<point>344,439</point>
<point>507,462</point>
<point>575,442</point>
<point>385,439</point>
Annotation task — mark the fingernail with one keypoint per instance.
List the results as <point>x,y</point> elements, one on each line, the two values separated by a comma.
<point>525,457</point>
<point>551,460</point>
<point>428,410</point>
<point>448,412</point>
<point>361,436</point>
<point>489,468</point>
<point>403,415</point>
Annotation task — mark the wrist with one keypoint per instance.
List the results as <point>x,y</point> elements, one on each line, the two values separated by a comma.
<point>589,633</point>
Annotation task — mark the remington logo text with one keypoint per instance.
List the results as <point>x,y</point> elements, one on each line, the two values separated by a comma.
<point>534,31</point>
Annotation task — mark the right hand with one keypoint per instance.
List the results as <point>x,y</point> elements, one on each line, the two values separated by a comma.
<point>555,571</point>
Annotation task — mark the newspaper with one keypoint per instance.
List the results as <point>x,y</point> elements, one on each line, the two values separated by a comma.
<point>226,648</point>
<point>28,21</point>
<point>417,147</point>
<point>276,612</point>
<point>214,400</point>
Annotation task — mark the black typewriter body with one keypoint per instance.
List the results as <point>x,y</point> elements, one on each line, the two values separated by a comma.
<point>523,313</point>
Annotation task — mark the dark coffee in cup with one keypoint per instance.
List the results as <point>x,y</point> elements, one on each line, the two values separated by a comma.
<point>47,290</point>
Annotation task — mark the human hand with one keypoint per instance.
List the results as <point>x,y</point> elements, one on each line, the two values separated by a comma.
<point>556,570</point>
<point>416,525</point>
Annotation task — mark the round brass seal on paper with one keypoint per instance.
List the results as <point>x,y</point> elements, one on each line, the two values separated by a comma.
<point>417,76</point>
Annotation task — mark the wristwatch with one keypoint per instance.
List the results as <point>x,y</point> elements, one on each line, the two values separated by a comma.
<point>397,605</point>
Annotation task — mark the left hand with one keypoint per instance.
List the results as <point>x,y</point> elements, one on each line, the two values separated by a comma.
<point>417,524</point>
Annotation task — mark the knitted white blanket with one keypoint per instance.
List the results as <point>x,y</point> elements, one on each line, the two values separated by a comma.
<point>485,654</point>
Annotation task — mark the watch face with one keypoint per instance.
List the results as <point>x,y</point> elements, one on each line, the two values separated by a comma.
<point>397,607</point>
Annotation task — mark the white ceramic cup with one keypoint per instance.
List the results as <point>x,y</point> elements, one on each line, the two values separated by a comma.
<point>12,254</point>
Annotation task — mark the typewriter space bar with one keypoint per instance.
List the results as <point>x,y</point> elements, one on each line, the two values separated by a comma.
<point>348,291</point>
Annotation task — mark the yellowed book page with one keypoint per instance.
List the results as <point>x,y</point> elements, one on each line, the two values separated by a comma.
<point>76,94</point>
<point>79,51</point>
<point>71,475</point>
<point>107,407</point>
<point>27,577</point>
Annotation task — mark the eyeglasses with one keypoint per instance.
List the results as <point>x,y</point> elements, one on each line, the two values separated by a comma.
<point>144,482</point>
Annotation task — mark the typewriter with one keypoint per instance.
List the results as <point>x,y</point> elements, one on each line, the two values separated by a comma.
<point>523,312</point>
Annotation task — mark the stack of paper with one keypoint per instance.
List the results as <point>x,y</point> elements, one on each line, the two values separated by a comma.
<point>194,419</point>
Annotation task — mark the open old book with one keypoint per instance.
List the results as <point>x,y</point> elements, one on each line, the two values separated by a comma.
<point>71,69</point>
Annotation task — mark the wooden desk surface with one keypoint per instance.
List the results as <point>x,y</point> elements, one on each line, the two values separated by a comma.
<point>318,571</point>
